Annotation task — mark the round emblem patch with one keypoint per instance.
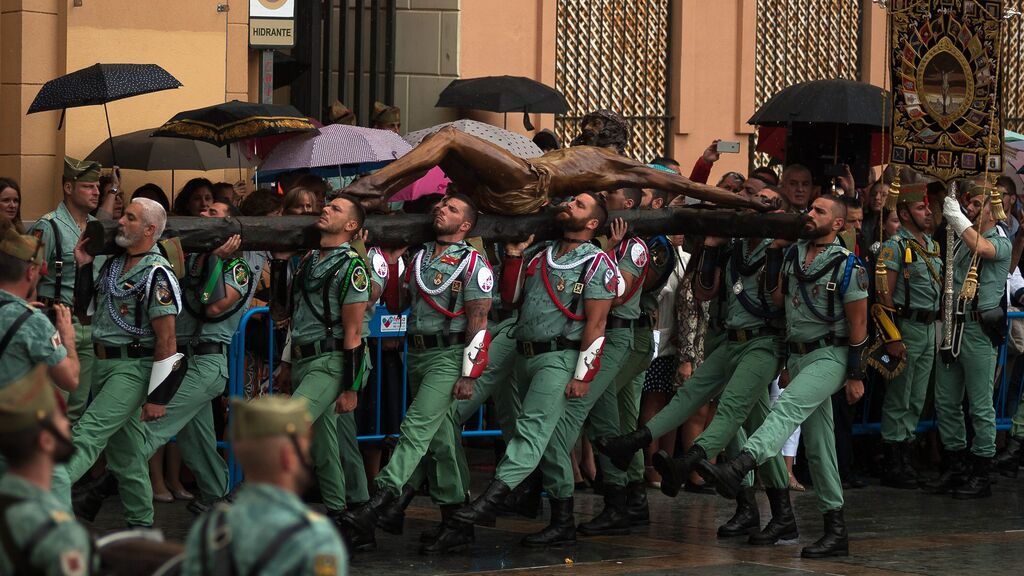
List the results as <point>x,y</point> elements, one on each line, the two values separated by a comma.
<point>638,255</point>
<point>241,274</point>
<point>163,294</point>
<point>611,281</point>
<point>485,279</point>
<point>380,265</point>
<point>359,280</point>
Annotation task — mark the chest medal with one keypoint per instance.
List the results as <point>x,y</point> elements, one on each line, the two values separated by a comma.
<point>737,288</point>
<point>438,279</point>
<point>123,310</point>
<point>561,285</point>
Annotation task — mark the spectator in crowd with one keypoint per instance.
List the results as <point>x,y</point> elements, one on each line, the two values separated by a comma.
<point>111,205</point>
<point>300,201</point>
<point>228,193</point>
<point>732,181</point>
<point>873,203</point>
<point>546,141</point>
<point>313,183</point>
<point>766,175</point>
<point>890,223</point>
<point>752,185</point>
<point>154,193</point>
<point>797,186</point>
<point>10,202</point>
<point>386,117</point>
<point>1011,207</point>
<point>195,198</point>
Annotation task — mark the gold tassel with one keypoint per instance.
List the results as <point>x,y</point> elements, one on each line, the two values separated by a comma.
<point>881,277</point>
<point>998,214</point>
<point>970,288</point>
<point>894,193</point>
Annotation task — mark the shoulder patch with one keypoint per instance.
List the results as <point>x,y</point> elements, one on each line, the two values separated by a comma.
<point>887,253</point>
<point>359,280</point>
<point>72,563</point>
<point>240,272</point>
<point>610,281</point>
<point>862,278</point>
<point>325,565</point>
<point>379,264</point>
<point>485,279</point>
<point>55,340</point>
<point>638,254</point>
<point>163,292</point>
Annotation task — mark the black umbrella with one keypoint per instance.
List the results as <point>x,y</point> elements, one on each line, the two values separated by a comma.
<point>233,121</point>
<point>503,94</point>
<point>99,84</point>
<point>826,101</point>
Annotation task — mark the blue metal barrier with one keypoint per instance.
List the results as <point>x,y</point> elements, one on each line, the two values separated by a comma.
<point>1004,409</point>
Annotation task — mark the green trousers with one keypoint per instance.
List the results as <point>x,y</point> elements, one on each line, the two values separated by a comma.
<point>807,402</point>
<point>612,411</point>
<point>745,403</point>
<point>498,380</point>
<point>906,393</point>
<point>973,373</point>
<point>705,383</point>
<point>113,422</point>
<point>542,380</point>
<point>79,399</point>
<point>190,417</point>
<point>555,463</point>
<point>319,379</point>
<point>352,468</point>
<point>1017,427</point>
<point>430,426</point>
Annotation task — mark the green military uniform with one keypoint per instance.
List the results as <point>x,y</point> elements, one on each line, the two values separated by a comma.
<point>817,337</point>
<point>548,342</point>
<point>602,401</point>
<point>334,278</point>
<point>973,370</point>
<point>60,233</point>
<point>127,301</point>
<point>439,289</point>
<point>267,530</point>
<point>204,341</point>
<point>29,338</point>
<point>918,291</point>
<point>753,356</point>
<point>38,535</point>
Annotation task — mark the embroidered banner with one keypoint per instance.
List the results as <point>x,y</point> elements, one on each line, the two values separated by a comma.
<point>947,120</point>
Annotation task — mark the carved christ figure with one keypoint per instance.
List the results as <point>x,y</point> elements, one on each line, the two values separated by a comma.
<point>501,183</point>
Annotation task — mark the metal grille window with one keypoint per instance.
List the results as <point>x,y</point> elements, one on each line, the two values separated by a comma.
<point>613,54</point>
<point>1013,73</point>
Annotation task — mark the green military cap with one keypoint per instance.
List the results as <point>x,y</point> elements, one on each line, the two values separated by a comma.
<point>269,416</point>
<point>27,401</point>
<point>384,114</point>
<point>338,113</point>
<point>979,189</point>
<point>81,170</point>
<point>913,193</point>
<point>21,246</point>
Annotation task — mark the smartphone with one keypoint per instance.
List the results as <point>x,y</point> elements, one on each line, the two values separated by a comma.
<point>725,147</point>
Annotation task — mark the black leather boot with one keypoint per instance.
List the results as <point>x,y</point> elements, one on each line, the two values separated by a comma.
<point>1007,462</point>
<point>781,529</point>
<point>562,529</point>
<point>360,524</point>
<point>392,518</point>
<point>954,473</point>
<point>895,474</point>
<point>87,504</point>
<point>355,540</point>
<point>728,477</point>
<point>484,509</point>
<point>907,461</point>
<point>450,536</point>
<point>746,518</point>
<point>636,504</point>
<point>525,500</point>
<point>835,542</point>
<point>675,471</point>
<point>978,484</point>
<point>621,449</point>
<point>613,520</point>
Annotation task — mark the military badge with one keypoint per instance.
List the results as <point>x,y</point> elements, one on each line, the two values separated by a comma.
<point>485,279</point>
<point>72,563</point>
<point>240,274</point>
<point>611,281</point>
<point>638,255</point>
<point>380,265</point>
<point>123,309</point>
<point>737,288</point>
<point>359,280</point>
<point>862,278</point>
<point>163,293</point>
<point>450,259</point>
<point>560,285</point>
<point>55,340</point>
<point>438,279</point>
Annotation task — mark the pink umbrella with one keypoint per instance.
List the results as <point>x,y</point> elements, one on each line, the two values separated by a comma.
<point>433,182</point>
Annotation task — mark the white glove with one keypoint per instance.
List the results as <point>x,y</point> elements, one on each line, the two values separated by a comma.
<point>958,221</point>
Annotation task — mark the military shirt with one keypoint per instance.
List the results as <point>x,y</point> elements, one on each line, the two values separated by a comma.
<point>35,342</point>
<point>192,324</point>
<point>540,318</point>
<point>259,514</point>
<point>342,273</point>
<point>378,267</point>
<point>925,269</point>
<point>64,548</point>
<point>741,276</point>
<point>802,325</point>
<point>991,273</point>
<point>662,261</point>
<point>631,256</point>
<point>127,302</point>
<point>460,272</point>
<point>69,235</point>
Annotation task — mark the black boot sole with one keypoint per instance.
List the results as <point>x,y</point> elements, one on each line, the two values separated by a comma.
<point>787,539</point>
<point>722,532</point>
<point>670,483</point>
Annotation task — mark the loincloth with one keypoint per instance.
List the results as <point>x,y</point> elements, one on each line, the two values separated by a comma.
<point>526,200</point>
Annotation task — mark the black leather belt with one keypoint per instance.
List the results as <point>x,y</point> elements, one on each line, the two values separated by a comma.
<point>808,347</point>
<point>749,334</point>
<point>48,302</point>
<point>203,349</point>
<point>530,349</point>
<point>422,342</point>
<point>121,352</point>
<point>922,316</point>
<point>316,348</point>
<point>614,323</point>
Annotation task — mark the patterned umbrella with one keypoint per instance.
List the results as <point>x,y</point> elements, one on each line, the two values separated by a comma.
<point>336,145</point>
<point>99,84</point>
<point>222,124</point>
<point>517,144</point>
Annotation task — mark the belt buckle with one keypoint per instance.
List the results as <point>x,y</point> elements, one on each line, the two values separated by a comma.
<point>741,335</point>
<point>528,349</point>
<point>418,342</point>
<point>801,347</point>
<point>133,348</point>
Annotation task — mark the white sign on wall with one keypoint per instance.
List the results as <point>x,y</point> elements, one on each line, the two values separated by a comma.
<point>271,23</point>
<point>271,8</point>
